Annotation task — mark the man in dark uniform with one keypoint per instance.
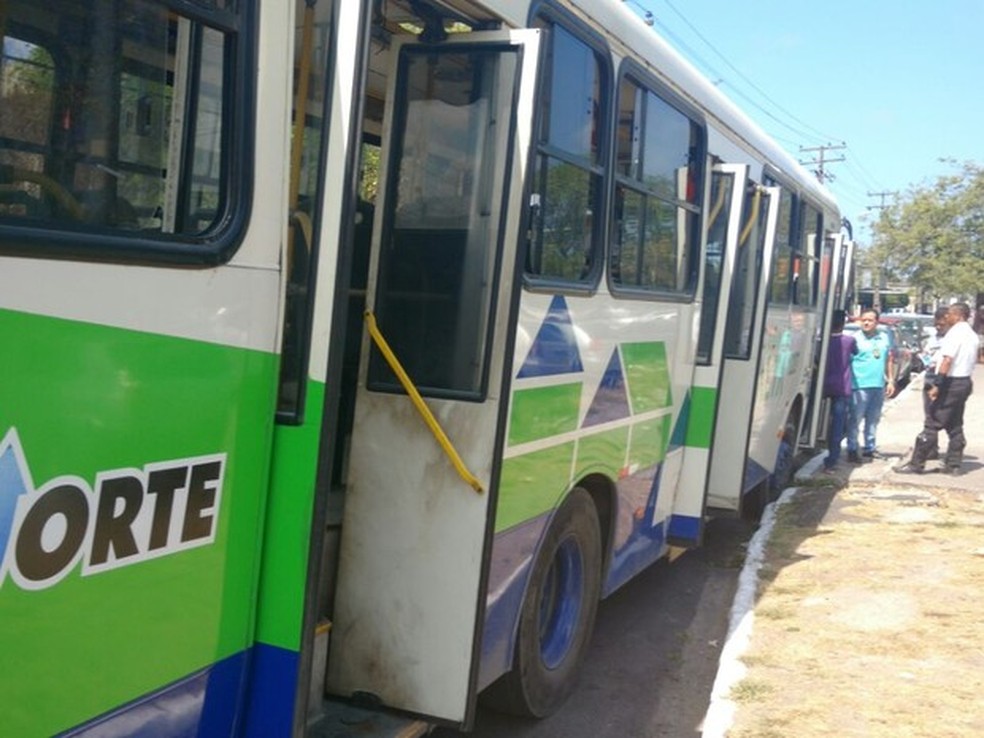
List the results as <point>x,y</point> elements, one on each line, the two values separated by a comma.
<point>949,394</point>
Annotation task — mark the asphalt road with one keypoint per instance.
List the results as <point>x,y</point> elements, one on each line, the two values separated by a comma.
<point>654,654</point>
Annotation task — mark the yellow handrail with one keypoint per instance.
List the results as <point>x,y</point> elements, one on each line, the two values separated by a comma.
<point>716,208</point>
<point>756,202</point>
<point>418,402</point>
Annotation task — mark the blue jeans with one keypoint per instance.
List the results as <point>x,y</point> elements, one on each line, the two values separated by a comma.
<point>840,408</point>
<point>867,406</point>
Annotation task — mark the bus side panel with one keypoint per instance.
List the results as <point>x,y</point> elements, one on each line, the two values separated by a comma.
<point>596,408</point>
<point>133,470</point>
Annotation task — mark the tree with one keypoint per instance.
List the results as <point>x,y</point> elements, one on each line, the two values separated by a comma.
<point>933,236</point>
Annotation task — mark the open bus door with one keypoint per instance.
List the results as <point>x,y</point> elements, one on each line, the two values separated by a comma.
<point>742,324</point>
<point>728,183</point>
<point>831,279</point>
<point>418,517</point>
<point>836,291</point>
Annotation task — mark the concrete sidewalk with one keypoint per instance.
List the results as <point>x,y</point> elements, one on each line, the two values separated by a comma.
<point>901,421</point>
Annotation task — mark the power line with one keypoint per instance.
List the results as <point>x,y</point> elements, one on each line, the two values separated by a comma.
<point>858,174</point>
<point>710,71</point>
<point>747,81</point>
<point>864,170</point>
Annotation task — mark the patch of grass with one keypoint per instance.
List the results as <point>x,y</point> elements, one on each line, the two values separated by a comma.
<point>772,611</point>
<point>799,589</point>
<point>750,690</point>
<point>757,660</point>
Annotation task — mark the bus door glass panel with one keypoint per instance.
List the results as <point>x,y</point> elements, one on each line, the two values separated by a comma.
<point>437,265</point>
<point>718,217</point>
<point>830,285</point>
<point>747,277</point>
<point>808,259</point>
<point>780,293</point>
<point>842,286</point>
<point>846,281</point>
<point>831,264</point>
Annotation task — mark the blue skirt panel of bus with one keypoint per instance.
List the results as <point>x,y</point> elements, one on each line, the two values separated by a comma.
<point>203,704</point>
<point>210,703</point>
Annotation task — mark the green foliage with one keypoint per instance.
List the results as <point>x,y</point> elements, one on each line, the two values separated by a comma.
<point>369,183</point>
<point>933,236</point>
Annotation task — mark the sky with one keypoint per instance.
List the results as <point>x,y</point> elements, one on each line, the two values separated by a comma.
<point>900,83</point>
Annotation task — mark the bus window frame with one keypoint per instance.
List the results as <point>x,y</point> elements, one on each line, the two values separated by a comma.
<point>771,178</point>
<point>645,80</point>
<point>546,15</point>
<point>219,242</point>
<point>807,204</point>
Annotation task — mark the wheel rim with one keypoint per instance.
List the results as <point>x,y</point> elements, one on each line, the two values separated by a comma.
<point>560,603</point>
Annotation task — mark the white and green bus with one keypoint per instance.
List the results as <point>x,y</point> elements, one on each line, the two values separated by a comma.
<point>352,351</point>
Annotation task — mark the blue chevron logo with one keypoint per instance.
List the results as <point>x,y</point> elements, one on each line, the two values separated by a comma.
<point>14,482</point>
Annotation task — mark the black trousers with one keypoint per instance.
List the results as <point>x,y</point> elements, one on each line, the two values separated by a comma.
<point>948,414</point>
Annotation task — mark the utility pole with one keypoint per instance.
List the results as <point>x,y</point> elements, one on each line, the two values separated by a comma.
<point>881,195</point>
<point>877,266</point>
<point>821,160</point>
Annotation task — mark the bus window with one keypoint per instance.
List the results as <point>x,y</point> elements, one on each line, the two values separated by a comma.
<point>656,194</point>
<point>722,185</point>
<point>807,280</point>
<point>566,199</point>
<point>113,119</point>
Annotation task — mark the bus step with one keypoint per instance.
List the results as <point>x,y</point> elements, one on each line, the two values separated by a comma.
<point>342,720</point>
<point>316,695</point>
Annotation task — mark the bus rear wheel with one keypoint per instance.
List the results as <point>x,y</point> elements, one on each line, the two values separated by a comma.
<point>558,614</point>
<point>785,458</point>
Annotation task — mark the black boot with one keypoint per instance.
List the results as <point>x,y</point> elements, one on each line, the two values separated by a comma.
<point>910,467</point>
<point>954,453</point>
<point>953,461</point>
<point>925,443</point>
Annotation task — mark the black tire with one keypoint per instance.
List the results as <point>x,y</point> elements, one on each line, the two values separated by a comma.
<point>753,504</point>
<point>782,477</point>
<point>558,614</point>
<point>754,501</point>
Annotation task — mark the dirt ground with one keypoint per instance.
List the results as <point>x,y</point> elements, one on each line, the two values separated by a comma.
<point>870,616</point>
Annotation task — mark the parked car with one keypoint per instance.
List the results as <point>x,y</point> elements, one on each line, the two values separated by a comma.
<point>906,358</point>
<point>915,328</point>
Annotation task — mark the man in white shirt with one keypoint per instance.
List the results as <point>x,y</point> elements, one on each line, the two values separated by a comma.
<point>949,395</point>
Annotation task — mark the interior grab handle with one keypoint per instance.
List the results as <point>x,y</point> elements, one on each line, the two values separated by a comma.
<point>419,403</point>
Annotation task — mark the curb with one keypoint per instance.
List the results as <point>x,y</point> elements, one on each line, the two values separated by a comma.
<point>721,710</point>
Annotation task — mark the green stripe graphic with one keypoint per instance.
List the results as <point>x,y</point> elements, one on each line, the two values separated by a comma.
<point>700,426</point>
<point>543,412</point>
<point>648,375</point>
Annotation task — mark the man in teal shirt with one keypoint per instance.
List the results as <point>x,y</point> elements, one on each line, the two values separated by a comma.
<point>873,369</point>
